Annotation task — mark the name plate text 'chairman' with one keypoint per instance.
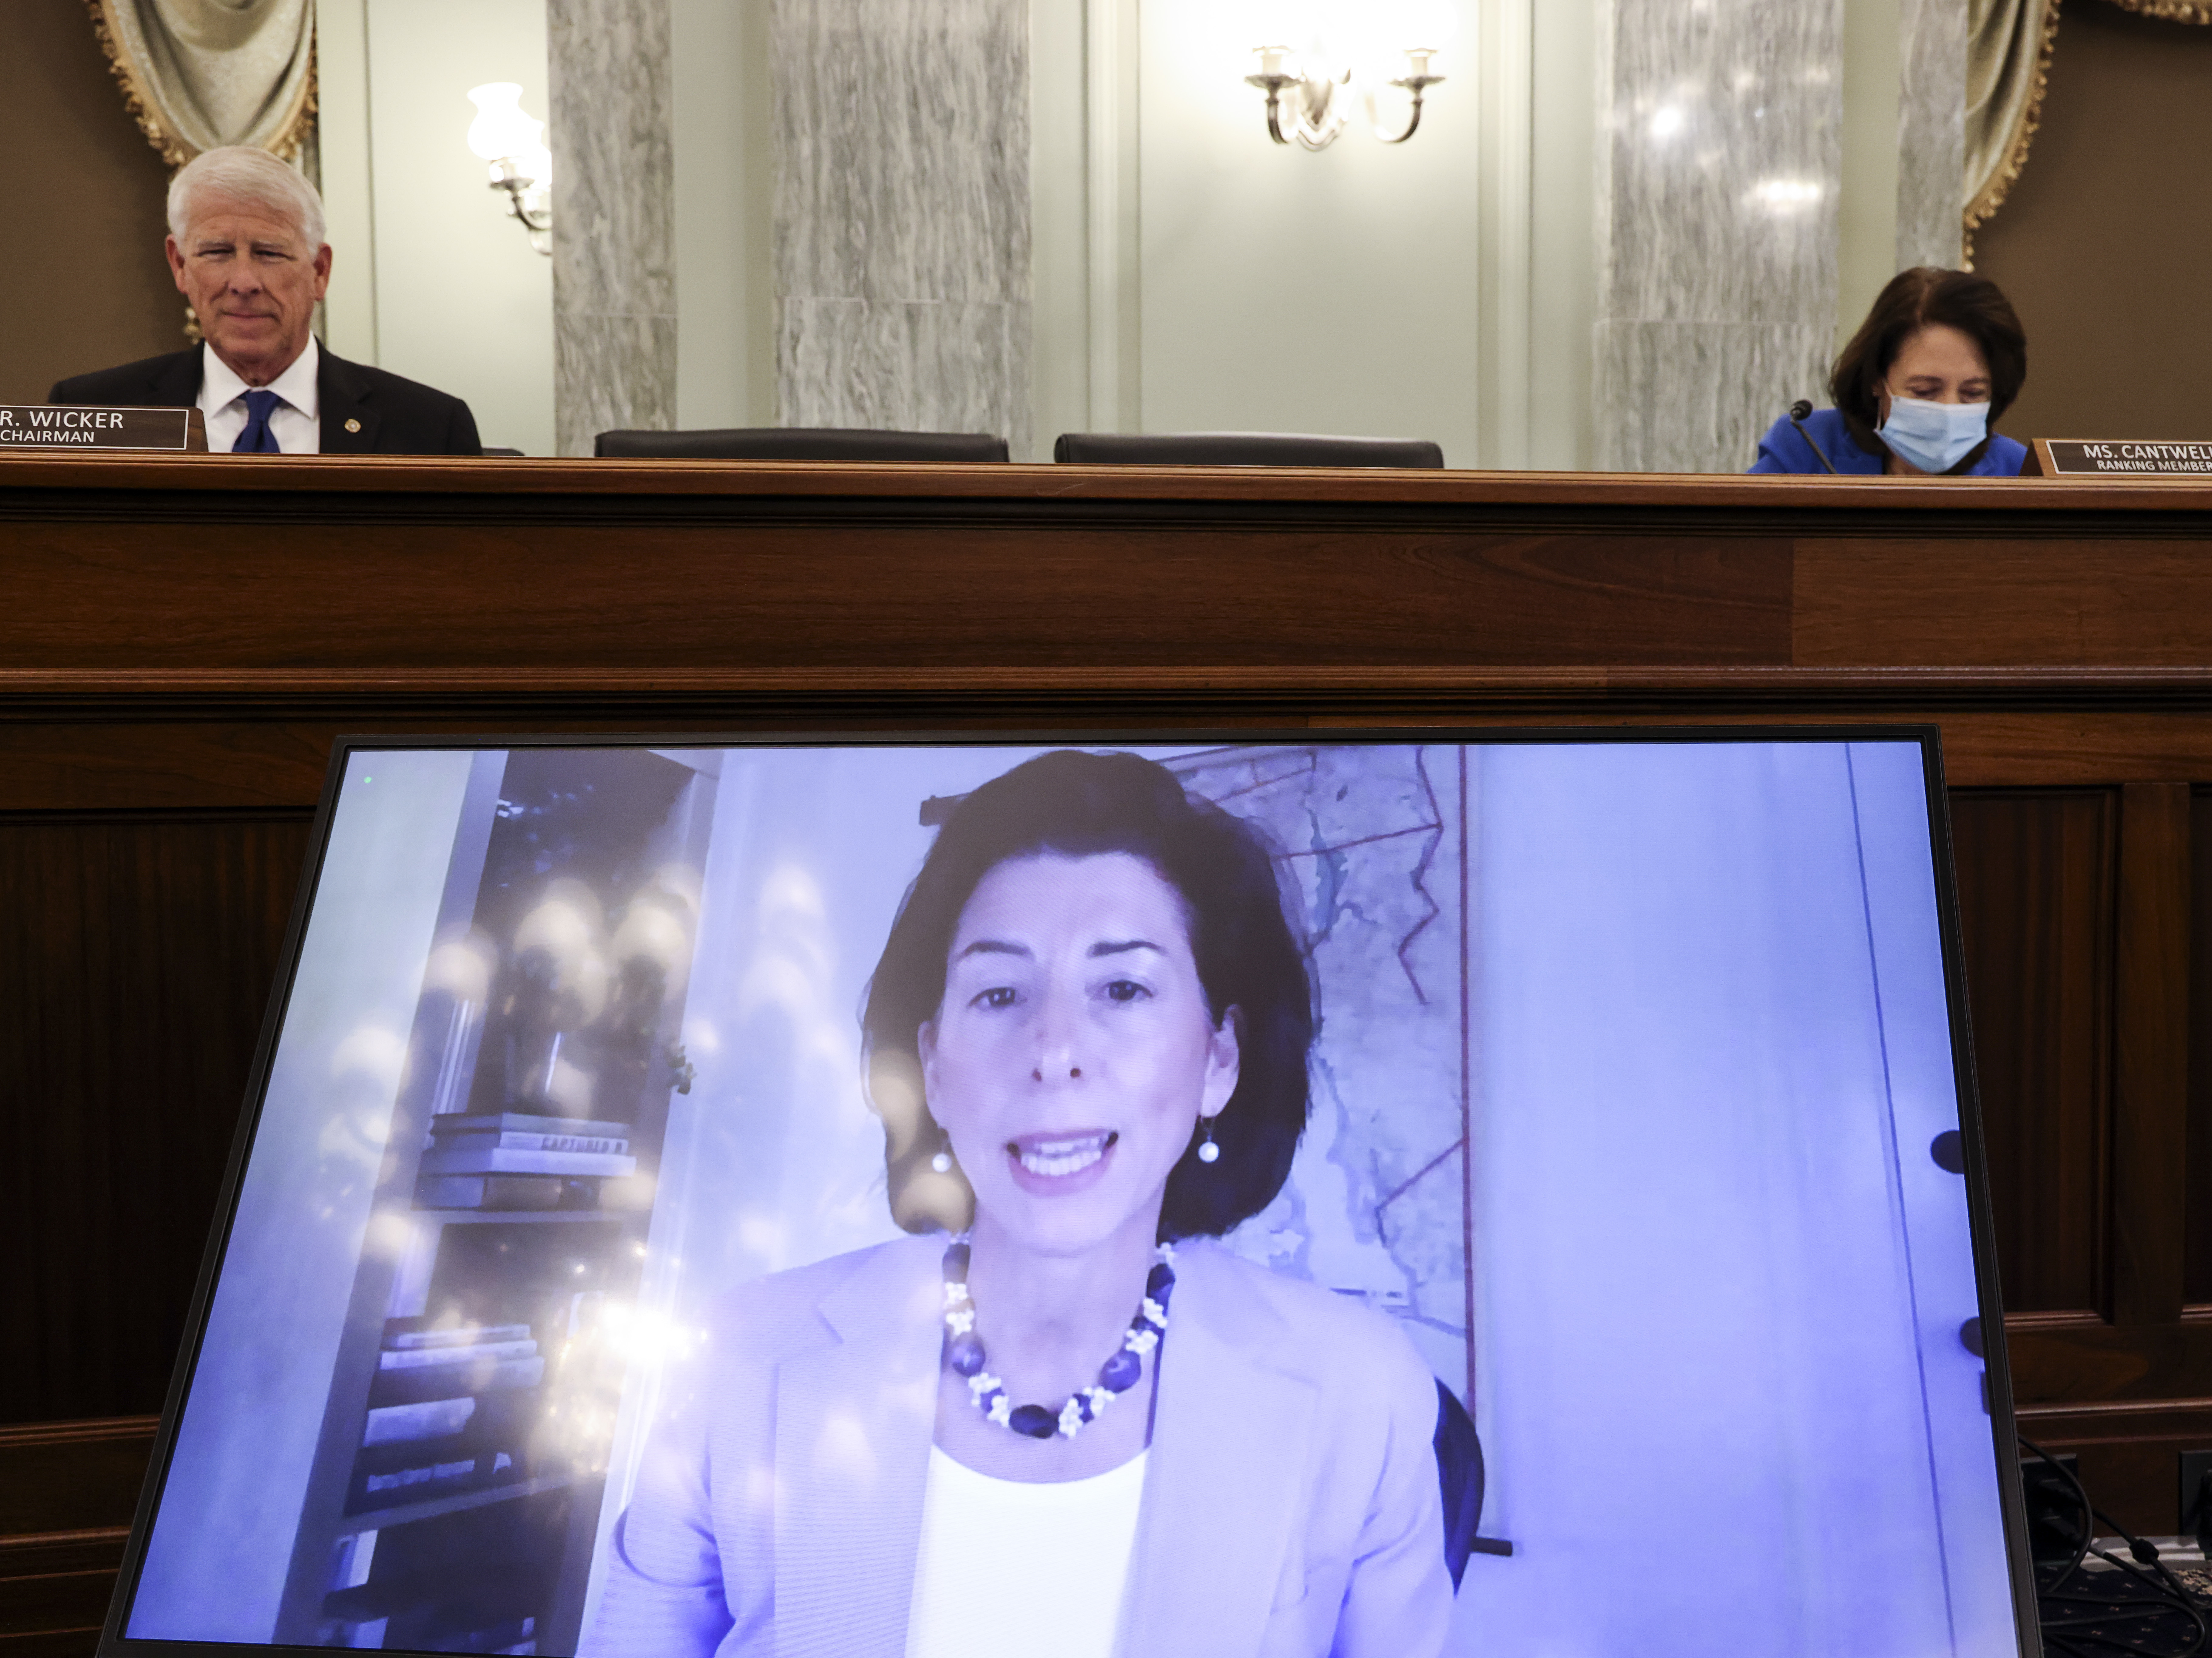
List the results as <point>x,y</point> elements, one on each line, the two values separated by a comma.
<point>2067,457</point>
<point>80,426</point>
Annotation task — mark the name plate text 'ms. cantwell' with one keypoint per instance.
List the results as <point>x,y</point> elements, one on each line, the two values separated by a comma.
<point>48,426</point>
<point>2132,457</point>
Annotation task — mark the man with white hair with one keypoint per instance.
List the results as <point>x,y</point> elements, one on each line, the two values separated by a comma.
<point>246,246</point>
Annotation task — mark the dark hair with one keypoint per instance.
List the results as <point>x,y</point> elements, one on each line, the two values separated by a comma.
<point>1914,300</point>
<point>1079,805</point>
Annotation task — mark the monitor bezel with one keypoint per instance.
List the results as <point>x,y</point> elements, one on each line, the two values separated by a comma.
<point>113,1643</point>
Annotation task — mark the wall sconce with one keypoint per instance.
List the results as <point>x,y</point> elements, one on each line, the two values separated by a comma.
<point>514,145</point>
<point>1349,50</point>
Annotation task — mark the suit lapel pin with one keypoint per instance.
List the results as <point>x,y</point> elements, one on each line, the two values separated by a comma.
<point>353,425</point>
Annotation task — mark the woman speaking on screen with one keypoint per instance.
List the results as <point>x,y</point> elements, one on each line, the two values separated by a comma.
<point>1064,1421</point>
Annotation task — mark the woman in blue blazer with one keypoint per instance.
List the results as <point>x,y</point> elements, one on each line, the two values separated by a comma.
<point>1064,1418</point>
<point>1938,360</point>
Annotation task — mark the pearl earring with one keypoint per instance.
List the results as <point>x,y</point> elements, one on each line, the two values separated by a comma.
<point>942,1163</point>
<point>1207,1151</point>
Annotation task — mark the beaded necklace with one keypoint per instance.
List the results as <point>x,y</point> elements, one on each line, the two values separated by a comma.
<point>964,1351</point>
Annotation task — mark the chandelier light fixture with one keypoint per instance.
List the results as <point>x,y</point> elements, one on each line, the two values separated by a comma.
<point>1329,57</point>
<point>514,145</point>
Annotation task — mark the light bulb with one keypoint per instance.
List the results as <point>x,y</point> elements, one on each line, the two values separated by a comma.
<point>501,128</point>
<point>534,161</point>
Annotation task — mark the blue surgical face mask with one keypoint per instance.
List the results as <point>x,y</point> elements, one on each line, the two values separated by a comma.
<point>1933,436</point>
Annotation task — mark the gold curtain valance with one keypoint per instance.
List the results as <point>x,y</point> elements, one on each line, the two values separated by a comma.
<point>200,73</point>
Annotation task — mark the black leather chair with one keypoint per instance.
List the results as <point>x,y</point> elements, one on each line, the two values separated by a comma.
<point>1460,1474</point>
<point>799,443</point>
<point>1240,449</point>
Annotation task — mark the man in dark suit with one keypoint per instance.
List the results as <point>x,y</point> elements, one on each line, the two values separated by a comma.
<point>246,246</point>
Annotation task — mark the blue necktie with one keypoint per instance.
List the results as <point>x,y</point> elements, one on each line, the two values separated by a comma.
<point>257,438</point>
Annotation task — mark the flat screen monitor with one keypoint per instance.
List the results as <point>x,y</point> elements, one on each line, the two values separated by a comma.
<point>1376,1194</point>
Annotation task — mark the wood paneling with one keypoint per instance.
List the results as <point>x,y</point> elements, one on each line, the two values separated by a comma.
<point>2150,1055</point>
<point>71,1477</point>
<point>912,593</point>
<point>203,765</point>
<point>67,1494</point>
<point>1970,602</point>
<point>2197,1202</point>
<point>2127,1453</point>
<point>2060,1358</point>
<point>2036,879</point>
<point>138,957</point>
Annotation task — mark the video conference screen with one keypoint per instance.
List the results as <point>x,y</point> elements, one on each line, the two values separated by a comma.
<point>1284,1197</point>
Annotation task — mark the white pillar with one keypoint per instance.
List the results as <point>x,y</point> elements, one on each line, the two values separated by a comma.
<point>903,215</point>
<point>614,218</point>
<point>1719,161</point>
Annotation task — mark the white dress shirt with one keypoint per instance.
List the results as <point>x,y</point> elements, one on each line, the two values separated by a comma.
<point>1011,1569</point>
<point>296,421</point>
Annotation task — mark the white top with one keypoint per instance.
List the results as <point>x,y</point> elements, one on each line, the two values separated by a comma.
<point>1012,1569</point>
<point>297,421</point>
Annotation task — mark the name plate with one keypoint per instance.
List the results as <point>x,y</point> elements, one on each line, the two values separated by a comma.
<point>2130,457</point>
<point>46,426</point>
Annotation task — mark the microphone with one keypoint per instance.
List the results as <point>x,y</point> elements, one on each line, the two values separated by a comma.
<point>1798,410</point>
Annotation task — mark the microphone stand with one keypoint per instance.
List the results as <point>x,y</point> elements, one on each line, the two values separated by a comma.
<point>1798,410</point>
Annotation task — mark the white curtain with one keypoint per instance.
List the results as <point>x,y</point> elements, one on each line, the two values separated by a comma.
<point>198,74</point>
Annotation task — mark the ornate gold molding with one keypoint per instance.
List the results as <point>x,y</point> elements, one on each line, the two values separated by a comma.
<point>168,145</point>
<point>145,105</point>
<point>2170,12</point>
<point>1991,196</point>
<point>302,119</point>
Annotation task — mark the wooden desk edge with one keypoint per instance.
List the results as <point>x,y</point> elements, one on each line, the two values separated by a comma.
<point>497,476</point>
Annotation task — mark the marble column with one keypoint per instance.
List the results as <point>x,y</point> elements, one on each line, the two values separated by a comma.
<point>1720,158</point>
<point>1931,132</point>
<point>614,218</point>
<point>903,215</point>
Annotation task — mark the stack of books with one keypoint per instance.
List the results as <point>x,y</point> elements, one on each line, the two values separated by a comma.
<point>449,1409</point>
<point>353,1626</point>
<point>512,1160</point>
<point>423,1613</point>
<point>516,1637</point>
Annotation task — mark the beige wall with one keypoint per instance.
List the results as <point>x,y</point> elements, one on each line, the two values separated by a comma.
<point>724,201</point>
<point>1190,275</point>
<point>430,279</point>
<point>90,288</point>
<point>1286,290</point>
